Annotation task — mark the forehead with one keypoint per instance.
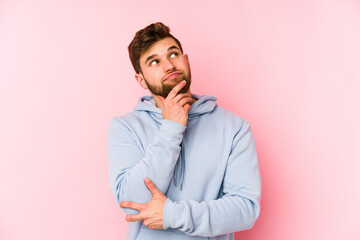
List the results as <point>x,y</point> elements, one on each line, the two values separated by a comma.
<point>160,47</point>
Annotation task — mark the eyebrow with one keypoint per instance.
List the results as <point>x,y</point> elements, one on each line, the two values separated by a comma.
<point>155,55</point>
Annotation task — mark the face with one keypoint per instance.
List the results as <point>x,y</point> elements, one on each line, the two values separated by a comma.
<point>163,66</point>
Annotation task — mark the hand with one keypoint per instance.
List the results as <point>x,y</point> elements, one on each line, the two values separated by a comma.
<point>175,106</point>
<point>151,213</point>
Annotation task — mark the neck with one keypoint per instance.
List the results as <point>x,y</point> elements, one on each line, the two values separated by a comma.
<point>157,102</point>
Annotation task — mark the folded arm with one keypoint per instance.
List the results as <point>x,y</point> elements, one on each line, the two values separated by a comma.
<point>237,210</point>
<point>128,166</point>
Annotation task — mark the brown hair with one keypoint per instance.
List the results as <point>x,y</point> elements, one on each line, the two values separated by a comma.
<point>144,39</point>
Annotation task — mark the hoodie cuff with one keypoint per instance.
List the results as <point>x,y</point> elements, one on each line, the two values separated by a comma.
<point>171,131</point>
<point>171,215</point>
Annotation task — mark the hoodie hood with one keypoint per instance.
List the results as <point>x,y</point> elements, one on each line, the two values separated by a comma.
<point>204,104</point>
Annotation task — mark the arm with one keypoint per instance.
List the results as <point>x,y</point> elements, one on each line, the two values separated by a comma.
<point>128,167</point>
<point>237,210</point>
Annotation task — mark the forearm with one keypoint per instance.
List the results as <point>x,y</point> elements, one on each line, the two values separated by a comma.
<point>211,218</point>
<point>128,166</point>
<point>237,209</point>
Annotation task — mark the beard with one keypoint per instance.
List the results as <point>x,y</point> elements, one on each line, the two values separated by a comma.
<point>166,87</point>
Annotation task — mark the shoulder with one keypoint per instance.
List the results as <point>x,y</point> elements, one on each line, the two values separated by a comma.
<point>127,121</point>
<point>229,118</point>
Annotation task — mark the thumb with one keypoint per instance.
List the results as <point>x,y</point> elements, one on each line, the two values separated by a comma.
<point>151,186</point>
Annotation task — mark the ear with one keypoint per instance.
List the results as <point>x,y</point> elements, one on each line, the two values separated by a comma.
<point>187,59</point>
<point>140,79</point>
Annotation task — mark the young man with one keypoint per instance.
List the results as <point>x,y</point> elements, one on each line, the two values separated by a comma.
<point>180,166</point>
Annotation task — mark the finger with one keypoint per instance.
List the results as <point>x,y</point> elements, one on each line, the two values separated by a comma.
<point>132,205</point>
<point>185,100</point>
<point>176,89</point>
<point>180,96</point>
<point>133,218</point>
<point>187,107</point>
<point>151,186</point>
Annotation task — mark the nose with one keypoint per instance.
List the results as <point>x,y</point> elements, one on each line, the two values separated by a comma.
<point>168,65</point>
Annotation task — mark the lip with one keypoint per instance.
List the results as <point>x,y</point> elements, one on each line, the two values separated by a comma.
<point>172,75</point>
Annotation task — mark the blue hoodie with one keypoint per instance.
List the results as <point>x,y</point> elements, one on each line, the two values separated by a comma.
<point>208,169</point>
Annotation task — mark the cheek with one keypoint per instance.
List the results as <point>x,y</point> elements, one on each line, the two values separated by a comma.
<point>153,75</point>
<point>185,62</point>
<point>185,66</point>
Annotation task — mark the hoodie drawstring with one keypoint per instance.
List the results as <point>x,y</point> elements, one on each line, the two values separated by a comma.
<point>180,164</point>
<point>204,104</point>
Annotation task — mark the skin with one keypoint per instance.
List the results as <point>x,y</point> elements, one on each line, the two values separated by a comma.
<point>167,59</point>
<point>151,213</point>
<point>166,73</point>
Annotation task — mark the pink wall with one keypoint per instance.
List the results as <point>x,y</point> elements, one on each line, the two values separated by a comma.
<point>292,68</point>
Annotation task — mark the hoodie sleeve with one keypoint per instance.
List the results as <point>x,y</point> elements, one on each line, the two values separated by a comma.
<point>239,207</point>
<point>128,167</point>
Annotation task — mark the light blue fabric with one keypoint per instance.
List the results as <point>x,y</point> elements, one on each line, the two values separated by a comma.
<point>213,159</point>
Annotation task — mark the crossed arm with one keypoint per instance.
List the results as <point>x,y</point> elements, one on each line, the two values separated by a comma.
<point>151,213</point>
<point>236,210</point>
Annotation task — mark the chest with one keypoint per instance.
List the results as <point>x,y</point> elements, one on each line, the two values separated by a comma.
<point>204,153</point>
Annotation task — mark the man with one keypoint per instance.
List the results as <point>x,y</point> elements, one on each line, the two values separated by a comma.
<point>180,166</point>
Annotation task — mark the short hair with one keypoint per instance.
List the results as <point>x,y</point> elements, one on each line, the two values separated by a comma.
<point>144,39</point>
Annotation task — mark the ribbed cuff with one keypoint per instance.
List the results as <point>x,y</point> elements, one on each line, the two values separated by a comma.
<point>171,218</point>
<point>171,131</point>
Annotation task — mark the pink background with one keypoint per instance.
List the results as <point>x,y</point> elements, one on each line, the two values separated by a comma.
<point>292,68</point>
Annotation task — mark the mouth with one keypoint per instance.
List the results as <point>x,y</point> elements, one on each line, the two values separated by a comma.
<point>172,75</point>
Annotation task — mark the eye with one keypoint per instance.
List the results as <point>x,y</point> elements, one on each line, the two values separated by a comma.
<point>174,54</point>
<point>154,62</point>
